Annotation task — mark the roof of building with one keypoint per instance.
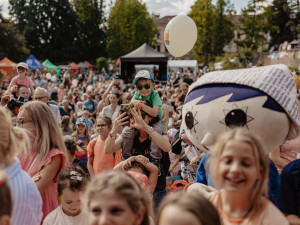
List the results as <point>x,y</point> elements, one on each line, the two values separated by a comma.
<point>163,20</point>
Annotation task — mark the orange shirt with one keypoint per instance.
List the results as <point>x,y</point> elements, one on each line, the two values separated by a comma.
<point>102,161</point>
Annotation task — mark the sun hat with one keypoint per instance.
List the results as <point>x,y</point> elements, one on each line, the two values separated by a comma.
<point>82,120</point>
<point>24,65</point>
<point>143,74</point>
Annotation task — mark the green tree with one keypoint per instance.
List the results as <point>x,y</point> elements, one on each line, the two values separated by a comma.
<point>91,28</point>
<point>48,26</point>
<point>281,25</point>
<point>129,26</point>
<point>254,25</point>
<point>222,28</point>
<point>12,43</point>
<point>202,13</point>
<point>101,63</point>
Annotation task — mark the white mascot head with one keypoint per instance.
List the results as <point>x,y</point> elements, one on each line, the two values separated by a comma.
<point>261,99</point>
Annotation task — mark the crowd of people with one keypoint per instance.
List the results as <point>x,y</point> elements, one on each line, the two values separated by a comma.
<point>92,149</point>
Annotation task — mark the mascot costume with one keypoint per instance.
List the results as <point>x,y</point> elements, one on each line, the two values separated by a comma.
<point>261,99</point>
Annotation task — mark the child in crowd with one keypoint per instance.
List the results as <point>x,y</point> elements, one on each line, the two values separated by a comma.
<point>71,183</point>
<point>144,83</point>
<point>116,198</point>
<point>65,125</point>
<point>71,148</point>
<point>82,138</point>
<point>5,199</point>
<point>145,172</point>
<point>98,160</point>
<point>21,79</point>
<point>239,165</point>
<point>183,208</point>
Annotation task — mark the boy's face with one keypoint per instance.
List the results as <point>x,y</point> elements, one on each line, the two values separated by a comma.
<point>145,92</point>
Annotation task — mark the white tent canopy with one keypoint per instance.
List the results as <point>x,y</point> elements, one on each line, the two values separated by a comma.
<point>193,64</point>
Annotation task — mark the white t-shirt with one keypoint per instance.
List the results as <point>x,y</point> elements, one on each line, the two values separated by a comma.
<point>57,217</point>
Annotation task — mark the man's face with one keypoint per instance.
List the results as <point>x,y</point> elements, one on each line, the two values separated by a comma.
<point>41,96</point>
<point>23,91</point>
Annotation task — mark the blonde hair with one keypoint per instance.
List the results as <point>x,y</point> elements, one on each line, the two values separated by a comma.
<point>193,202</point>
<point>5,195</point>
<point>122,185</point>
<point>262,165</point>
<point>12,139</point>
<point>48,133</point>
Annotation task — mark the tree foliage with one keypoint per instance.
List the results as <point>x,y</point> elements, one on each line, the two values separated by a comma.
<point>48,26</point>
<point>222,26</point>
<point>129,26</point>
<point>254,25</point>
<point>214,26</point>
<point>91,28</point>
<point>12,43</point>
<point>281,25</point>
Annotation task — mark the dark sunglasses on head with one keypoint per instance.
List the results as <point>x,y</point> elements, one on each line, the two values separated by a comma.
<point>146,86</point>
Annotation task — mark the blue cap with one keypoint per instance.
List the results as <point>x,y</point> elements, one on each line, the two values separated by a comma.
<point>143,74</point>
<point>117,75</point>
<point>82,120</point>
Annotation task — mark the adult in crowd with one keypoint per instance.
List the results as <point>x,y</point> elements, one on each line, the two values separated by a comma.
<point>41,94</point>
<point>98,160</point>
<point>27,202</point>
<point>113,108</point>
<point>141,144</point>
<point>91,105</point>
<point>47,155</point>
<point>66,110</point>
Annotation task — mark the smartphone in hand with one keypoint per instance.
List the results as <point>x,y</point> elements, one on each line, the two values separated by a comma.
<point>126,108</point>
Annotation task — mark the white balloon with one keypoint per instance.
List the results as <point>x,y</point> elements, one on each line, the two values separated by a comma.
<point>48,76</point>
<point>53,78</point>
<point>180,35</point>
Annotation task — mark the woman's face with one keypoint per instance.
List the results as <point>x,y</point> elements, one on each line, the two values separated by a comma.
<point>113,99</point>
<point>174,215</point>
<point>24,121</point>
<point>112,209</point>
<point>102,128</point>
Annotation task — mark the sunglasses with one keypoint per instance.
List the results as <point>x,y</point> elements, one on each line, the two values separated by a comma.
<point>146,86</point>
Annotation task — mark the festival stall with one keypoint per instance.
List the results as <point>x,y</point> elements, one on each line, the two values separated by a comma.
<point>83,68</point>
<point>8,68</point>
<point>91,66</point>
<point>74,67</point>
<point>33,63</point>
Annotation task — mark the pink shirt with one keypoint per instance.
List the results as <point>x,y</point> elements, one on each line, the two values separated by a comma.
<point>49,197</point>
<point>27,82</point>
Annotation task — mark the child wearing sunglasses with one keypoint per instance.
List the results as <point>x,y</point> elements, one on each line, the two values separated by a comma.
<point>144,83</point>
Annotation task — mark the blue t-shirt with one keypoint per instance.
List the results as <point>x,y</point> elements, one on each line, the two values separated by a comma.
<point>90,106</point>
<point>203,178</point>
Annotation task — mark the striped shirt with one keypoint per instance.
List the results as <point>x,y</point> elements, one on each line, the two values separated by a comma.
<point>27,201</point>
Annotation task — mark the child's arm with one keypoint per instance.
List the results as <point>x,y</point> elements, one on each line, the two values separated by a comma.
<point>31,90</point>
<point>90,159</point>
<point>152,111</point>
<point>175,163</point>
<point>153,170</point>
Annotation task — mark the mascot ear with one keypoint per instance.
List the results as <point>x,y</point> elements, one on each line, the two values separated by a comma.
<point>208,140</point>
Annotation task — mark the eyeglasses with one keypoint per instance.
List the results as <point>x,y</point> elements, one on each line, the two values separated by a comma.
<point>39,98</point>
<point>101,125</point>
<point>146,86</point>
<point>21,122</point>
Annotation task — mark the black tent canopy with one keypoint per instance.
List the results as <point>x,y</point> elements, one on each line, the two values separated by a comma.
<point>142,55</point>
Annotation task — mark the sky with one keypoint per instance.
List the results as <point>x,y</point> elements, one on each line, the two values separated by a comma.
<point>161,7</point>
